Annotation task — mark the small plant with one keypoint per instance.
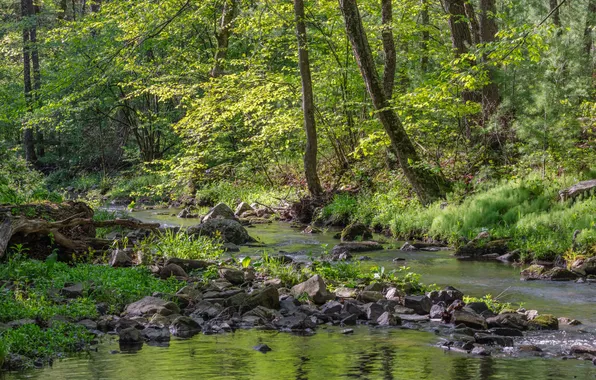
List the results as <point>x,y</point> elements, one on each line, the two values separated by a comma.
<point>181,245</point>
<point>246,262</point>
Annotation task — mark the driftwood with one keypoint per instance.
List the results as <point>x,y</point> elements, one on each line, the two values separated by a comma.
<point>75,233</point>
<point>577,190</point>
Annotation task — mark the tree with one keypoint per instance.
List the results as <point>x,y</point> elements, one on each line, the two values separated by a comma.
<point>28,34</point>
<point>308,106</point>
<point>428,186</point>
<point>230,8</point>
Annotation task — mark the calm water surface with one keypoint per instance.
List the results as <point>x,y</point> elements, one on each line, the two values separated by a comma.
<point>370,353</point>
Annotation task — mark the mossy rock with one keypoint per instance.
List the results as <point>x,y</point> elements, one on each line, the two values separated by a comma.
<point>356,231</point>
<point>533,272</point>
<point>544,322</point>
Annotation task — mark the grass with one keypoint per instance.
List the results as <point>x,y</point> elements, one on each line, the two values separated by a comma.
<point>181,245</point>
<point>230,193</point>
<point>526,211</point>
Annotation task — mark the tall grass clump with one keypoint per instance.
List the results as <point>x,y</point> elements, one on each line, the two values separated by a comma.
<point>179,244</point>
<point>230,193</point>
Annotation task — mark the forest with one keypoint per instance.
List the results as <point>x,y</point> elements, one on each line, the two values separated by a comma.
<point>174,167</point>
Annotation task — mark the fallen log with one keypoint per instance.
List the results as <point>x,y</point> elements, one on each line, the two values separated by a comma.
<point>34,227</point>
<point>577,190</point>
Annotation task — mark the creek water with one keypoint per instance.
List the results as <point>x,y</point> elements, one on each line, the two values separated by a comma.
<point>369,353</point>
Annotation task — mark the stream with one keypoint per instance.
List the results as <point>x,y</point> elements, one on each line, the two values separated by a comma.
<point>369,353</point>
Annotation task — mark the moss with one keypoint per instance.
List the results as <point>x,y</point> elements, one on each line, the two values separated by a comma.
<point>544,322</point>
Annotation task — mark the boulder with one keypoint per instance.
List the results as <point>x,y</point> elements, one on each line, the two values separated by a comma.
<point>235,276</point>
<point>568,321</point>
<point>121,258</point>
<point>189,265</point>
<point>315,288</point>
<point>230,231</point>
<point>263,313</point>
<point>172,270</point>
<point>446,295</point>
<point>540,272</point>
<point>494,340</point>
<point>437,311</point>
<point>509,257</point>
<point>298,321</point>
<point>511,320</point>
<point>219,211</point>
<point>544,322</point>
<point>482,246</point>
<point>130,336</point>
<point>73,291</point>
<point>331,308</point>
<point>584,267</point>
<point>88,323</point>
<point>156,334</point>
<point>373,311</point>
<point>480,351</point>
<point>151,305</point>
<point>533,272</point>
<point>206,310</point>
<point>388,319</point>
<point>370,296</point>
<point>184,327</point>
<point>242,208</point>
<point>583,349</point>
<point>420,304</point>
<point>469,318</point>
<point>356,231</point>
<point>354,247</point>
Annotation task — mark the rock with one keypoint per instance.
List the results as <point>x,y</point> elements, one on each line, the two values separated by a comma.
<point>469,318</point>
<point>568,321</point>
<point>242,208</point>
<point>121,258</point>
<point>89,324</point>
<point>505,331</point>
<point>403,310</point>
<point>446,295</point>
<point>480,351</point>
<point>413,317</point>
<point>156,334</point>
<point>347,331</point>
<point>15,362</point>
<point>315,288</point>
<point>189,265</point>
<point>436,311</point>
<point>511,320</point>
<point>343,292</point>
<point>20,322</point>
<point>151,305</point>
<point>311,230</point>
<point>206,310</point>
<point>388,319</point>
<point>408,247</point>
<point>331,308</point>
<point>267,297</point>
<point>584,266</point>
<point>509,256</point>
<point>533,272</point>
<point>540,272</point>
<point>364,258</point>
<point>394,293</point>
<point>130,336</point>
<point>172,270</point>
<point>544,322</point>
<point>356,231</point>
<point>231,231</point>
<point>298,321</point>
<point>373,311</point>
<point>186,213</point>
<point>354,247</point>
<point>480,246</point>
<point>370,296</point>
<point>184,327</point>
<point>420,304</point>
<point>262,348</point>
<point>263,313</point>
<point>583,349</point>
<point>219,211</point>
<point>235,276</point>
<point>493,340</point>
<point>529,348</point>
<point>477,307</point>
<point>73,291</point>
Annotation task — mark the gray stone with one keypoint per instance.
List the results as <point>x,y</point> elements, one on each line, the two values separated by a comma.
<point>89,324</point>
<point>242,208</point>
<point>353,247</point>
<point>73,291</point>
<point>356,231</point>
<point>172,270</point>
<point>206,310</point>
<point>231,231</point>
<point>388,319</point>
<point>505,331</point>
<point>151,305</point>
<point>436,311</point>
<point>184,327</point>
<point>121,258</point>
<point>156,334</point>
<point>480,351</point>
<point>370,296</point>
<point>447,295</point>
<point>235,276</point>
<point>584,266</point>
<point>469,318</point>
<point>315,288</point>
<point>420,304</point>
<point>494,340</point>
<point>130,336</point>
<point>219,211</point>
<point>373,311</point>
<point>331,308</point>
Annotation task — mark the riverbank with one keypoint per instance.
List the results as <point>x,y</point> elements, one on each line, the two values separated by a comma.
<point>210,286</point>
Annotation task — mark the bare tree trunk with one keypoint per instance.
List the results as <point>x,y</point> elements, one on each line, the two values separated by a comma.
<point>388,48</point>
<point>36,77</point>
<point>427,185</point>
<point>474,26</point>
<point>461,38</point>
<point>556,16</point>
<point>308,106</point>
<point>229,11</point>
<point>425,35</point>
<point>589,46</point>
<point>28,142</point>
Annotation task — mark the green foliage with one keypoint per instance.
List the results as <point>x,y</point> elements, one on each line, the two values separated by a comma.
<point>493,303</point>
<point>181,245</point>
<point>32,341</point>
<point>341,210</point>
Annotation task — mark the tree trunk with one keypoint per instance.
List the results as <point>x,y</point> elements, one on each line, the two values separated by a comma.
<point>474,26</point>
<point>425,19</point>
<point>308,106</point>
<point>461,37</point>
<point>589,47</point>
<point>556,16</point>
<point>28,143</point>
<point>427,185</point>
<point>36,77</point>
<point>229,11</point>
<point>388,48</point>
